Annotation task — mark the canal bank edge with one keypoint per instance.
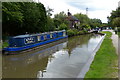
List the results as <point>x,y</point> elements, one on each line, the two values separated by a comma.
<point>105,64</point>
<point>87,65</point>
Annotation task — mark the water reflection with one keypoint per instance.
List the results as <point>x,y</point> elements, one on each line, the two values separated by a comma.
<point>73,42</point>
<point>63,60</point>
<point>27,65</point>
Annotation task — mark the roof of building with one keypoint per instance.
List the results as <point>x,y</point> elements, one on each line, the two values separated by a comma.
<point>71,17</point>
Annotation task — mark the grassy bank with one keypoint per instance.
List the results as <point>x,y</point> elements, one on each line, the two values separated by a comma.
<point>105,62</point>
<point>5,44</point>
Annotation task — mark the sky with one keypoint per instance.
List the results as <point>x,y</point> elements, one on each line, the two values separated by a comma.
<point>99,9</point>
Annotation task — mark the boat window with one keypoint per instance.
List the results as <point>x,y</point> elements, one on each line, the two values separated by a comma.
<point>45,37</point>
<point>50,35</point>
<point>38,38</point>
<point>64,33</point>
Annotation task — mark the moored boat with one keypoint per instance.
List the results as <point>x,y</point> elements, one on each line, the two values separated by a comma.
<point>28,41</point>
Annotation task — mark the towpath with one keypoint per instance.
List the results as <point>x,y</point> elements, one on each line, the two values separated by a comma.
<point>114,38</point>
<point>116,44</point>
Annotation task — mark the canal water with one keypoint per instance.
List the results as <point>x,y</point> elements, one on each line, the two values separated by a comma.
<point>62,59</point>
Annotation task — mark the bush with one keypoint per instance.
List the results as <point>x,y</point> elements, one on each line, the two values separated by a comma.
<point>63,27</point>
<point>81,32</point>
<point>85,31</point>
<point>70,32</point>
<point>74,32</point>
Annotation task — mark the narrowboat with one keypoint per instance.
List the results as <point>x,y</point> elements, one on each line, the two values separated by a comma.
<point>28,41</point>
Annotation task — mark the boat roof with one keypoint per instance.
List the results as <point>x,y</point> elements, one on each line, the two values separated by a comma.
<point>29,35</point>
<point>21,36</point>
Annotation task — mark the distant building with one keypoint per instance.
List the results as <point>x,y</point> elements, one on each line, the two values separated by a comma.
<point>74,22</point>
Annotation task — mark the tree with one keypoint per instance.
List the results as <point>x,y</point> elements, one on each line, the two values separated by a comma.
<point>50,21</point>
<point>113,19</point>
<point>21,17</point>
<point>48,11</point>
<point>86,22</point>
<point>63,27</point>
<point>12,17</point>
<point>84,19</point>
<point>60,18</point>
<point>116,22</point>
<point>95,23</point>
<point>50,24</point>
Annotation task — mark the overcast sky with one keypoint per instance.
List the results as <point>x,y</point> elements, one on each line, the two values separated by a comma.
<point>96,8</point>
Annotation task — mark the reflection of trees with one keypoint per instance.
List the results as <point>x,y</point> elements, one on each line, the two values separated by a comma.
<point>95,35</point>
<point>77,40</point>
<point>30,64</point>
<point>24,69</point>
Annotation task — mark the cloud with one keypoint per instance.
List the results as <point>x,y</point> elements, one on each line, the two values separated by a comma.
<point>59,6</point>
<point>96,8</point>
<point>83,6</point>
<point>99,14</point>
<point>93,4</point>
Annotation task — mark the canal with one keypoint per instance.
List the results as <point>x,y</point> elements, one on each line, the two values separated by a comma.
<point>62,59</point>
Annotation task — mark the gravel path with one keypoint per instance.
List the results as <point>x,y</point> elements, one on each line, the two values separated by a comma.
<point>114,38</point>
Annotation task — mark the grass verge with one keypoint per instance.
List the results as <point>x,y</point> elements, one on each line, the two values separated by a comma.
<point>105,64</point>
<point>5,44</point>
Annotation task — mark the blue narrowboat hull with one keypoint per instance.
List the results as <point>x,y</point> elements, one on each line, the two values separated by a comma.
<point>32,45</point>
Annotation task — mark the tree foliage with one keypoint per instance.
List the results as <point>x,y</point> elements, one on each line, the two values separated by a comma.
<point>84,19</point>
<point>63,27</point>
<point>114,18</point>
<point>49,11</point>
<point>116,22</point>
<point>21,17</point>
<point>95,23</point>
<point>60,19</point>
<point>86,22</point>
<point>50,21</point>
<point>12,17</point>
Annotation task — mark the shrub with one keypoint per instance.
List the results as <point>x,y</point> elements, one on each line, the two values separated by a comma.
<point>81,32</point>
<point>70,32</point>
<point>63,27</point>
<point>85,31</point>
<point>74,32</point>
